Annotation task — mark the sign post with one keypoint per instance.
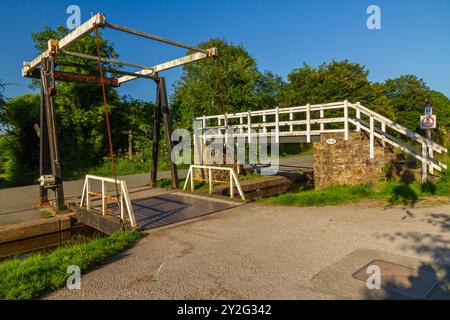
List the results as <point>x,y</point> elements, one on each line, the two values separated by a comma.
<point>428,121</point>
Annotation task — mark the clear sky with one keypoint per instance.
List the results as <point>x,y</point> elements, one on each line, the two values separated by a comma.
<point>280,34</point>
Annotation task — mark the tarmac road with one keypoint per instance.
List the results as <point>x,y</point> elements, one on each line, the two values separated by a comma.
<point>19,204</point>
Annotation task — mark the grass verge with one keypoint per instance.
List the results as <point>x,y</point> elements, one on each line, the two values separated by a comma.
<point>391,191</point>
<point>39,273</point>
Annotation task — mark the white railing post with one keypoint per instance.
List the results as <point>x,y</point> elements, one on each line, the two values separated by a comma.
<point>346,120</point>
<point>210,181</point>
<point>264,122</point>
<point>249,127</point>
<point>431,155</point>
<point>241,122</point>
<point>322,116</point>
<point>231,186</point>
<point>203,129</point>
<point>308,123</point>
<point>103,198</point>
<point>383,129</point>
<point>83,194</point>
<point>88,190</point>
<point>372,138</point>
<point>358,117</point>
<point>291,118</point>
<point>424,162</point>
<point>277,125</point>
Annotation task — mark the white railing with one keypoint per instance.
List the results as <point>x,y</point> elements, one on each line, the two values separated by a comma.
<point>123,200</point>
<point>244,125</point>
<point>234,181</point>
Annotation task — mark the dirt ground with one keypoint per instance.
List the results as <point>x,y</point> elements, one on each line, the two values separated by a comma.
<point>271,252</point>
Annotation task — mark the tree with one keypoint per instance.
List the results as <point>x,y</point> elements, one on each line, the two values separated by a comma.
<point>79,106</point>
<point>20,145</point>
<point>407,94</point>
<point>197,93</point>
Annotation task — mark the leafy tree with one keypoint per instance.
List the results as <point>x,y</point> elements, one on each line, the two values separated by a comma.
<point>19,146</point>
<point>334,81</point>
<point>407,94</point>
<point>197,93</point>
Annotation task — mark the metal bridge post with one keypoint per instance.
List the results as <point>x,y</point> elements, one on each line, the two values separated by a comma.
<point>164,106</point>
<point>49,90</point>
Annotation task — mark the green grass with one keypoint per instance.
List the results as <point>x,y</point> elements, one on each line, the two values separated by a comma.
<point>393,192</point>
<point>39,273</point>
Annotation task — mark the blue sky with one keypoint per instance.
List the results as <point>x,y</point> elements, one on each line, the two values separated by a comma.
<point>281,35</point>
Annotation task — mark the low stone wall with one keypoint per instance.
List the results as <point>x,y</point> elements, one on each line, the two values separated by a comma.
<point>348,162</point>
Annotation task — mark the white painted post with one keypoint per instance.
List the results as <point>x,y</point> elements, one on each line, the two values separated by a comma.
<point>210,180</point>
<point>231,186</point>
<point>122,211</point>
<point>103,198</point>
<point>372,138</point>
<point>308,123</point>
<point>277,125</point>
<point>424,162</point>
<point>241,122</point>
<point>249,125</point>
<point>83,194</point>
<point>226,128</point>
<point>291,118</point>
<point>358,117</point>
<point>264,121</point>
<point>88,197</point>
<point>322,116</point>
<point>431,155</point>
<point>203,129</point>
<point>346,120</point>
<point>192,179</point>
<point>383,129</point>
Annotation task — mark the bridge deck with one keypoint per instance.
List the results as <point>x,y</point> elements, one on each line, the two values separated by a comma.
<point>154,208</point>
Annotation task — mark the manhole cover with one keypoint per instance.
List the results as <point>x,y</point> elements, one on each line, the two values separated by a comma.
<point>396,278</point>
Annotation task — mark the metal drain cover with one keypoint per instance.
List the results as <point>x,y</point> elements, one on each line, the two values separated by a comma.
<point>399,279</point>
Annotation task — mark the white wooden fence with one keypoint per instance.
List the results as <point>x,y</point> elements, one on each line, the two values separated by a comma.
<point>123,200</point>
<point>233,179</point>
<point>312,120</point>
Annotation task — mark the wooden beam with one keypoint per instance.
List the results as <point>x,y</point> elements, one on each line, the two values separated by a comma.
<point>172,64</point>
<point>76,34</point>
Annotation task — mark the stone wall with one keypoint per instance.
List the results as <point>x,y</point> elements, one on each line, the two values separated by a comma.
<point>348,162</point>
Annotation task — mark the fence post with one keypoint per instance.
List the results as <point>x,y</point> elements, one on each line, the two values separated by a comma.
<point>277,125</point>
<point>88,197</point>
<point>383,129</point>
<point>358,117</point>
<point>346,120</point>
<point>291,118</point>
<point>424,162</point>
<point>431,155</point>
<point>103,198</point>
<point>249,125</point>
<point>231,185</point>
<point>203,129</point>
<point>264,122</point>
<point>372,138</point>
<point>210,180</point>
<point>308,123</point>
<point>322,116</point>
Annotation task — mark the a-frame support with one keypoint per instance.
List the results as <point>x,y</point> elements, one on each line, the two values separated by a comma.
<point>49,158</point>
<point>162,109</point>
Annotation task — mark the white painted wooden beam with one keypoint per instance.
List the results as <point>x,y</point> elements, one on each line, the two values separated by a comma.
<point>172,64</point>
<point>76,34</point>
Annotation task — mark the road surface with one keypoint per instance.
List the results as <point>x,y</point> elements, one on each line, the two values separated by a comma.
<point>272,252</point>
<point>19,204</point>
